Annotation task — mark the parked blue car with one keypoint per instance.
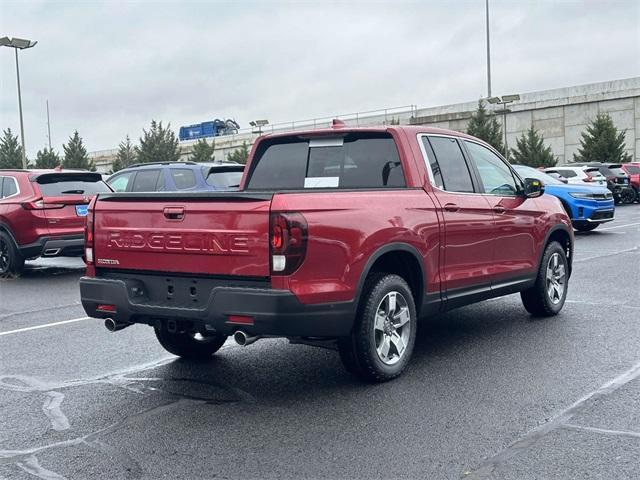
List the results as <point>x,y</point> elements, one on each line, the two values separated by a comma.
<point>588,206</point>
<point>177,176</point>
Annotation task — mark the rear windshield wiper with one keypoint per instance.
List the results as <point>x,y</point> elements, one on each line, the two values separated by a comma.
<point>79,192</point>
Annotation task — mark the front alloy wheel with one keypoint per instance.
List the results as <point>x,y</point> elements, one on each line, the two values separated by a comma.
<point>556,277</point>
<point>547,296</point>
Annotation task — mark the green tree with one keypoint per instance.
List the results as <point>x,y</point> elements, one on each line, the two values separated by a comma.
<point>159,144</point>
<point>10,150</point>
<point>530,150</point>
<point>126,156</point>
<point>240,154</point>
<point>75,154</point>
<point>602,142</point>
<point>47,158</point>
<point>484,126</point>
<point>203,151</point>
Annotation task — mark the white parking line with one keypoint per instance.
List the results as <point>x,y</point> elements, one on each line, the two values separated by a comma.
<point>46,325</point>
<point>620,226</point>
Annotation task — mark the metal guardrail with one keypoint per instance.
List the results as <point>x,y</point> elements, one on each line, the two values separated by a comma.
<point>387,115</point>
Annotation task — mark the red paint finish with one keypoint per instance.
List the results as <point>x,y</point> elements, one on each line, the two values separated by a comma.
<point>212,236</point>
<point>462,240</point>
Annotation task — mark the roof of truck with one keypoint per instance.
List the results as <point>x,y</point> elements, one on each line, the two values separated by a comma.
<point>339,127</point>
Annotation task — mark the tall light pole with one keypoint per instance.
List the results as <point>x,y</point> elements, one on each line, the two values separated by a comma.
<point>504,101</point>
<point>19,44</point>
<point>488,52</point>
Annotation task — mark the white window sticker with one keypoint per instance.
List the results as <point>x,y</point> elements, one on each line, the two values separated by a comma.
<point>321,182</point>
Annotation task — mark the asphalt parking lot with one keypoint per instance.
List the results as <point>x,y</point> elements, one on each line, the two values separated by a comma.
<point>491,392</point>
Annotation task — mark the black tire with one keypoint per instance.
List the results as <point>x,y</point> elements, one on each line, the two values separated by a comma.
<point>359,351</point>
<point>187,345</point>
<point>543,300</point>
<point>586,227</point>
<point>628,196</point>
<point>11,262</point>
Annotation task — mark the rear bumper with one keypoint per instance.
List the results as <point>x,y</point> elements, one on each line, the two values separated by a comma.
<point>274,312</point>
<point>67,246</point>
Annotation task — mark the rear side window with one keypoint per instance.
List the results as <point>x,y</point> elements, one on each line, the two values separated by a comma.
<point>451,165</point>
<point>567,173</point>
<point>221,178</point>
<point>61,184</point>
<point>184,178</point>
<point>351,162</point>
<point>8,187</point>
<point>146,181</point>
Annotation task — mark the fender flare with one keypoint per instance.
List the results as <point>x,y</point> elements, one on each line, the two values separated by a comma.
<point>551,231</point>
<point>391,247</point>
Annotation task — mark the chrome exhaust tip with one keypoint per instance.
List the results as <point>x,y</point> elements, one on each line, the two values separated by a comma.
<point>51,252</point>
<point>113,326</point>
<point>242,339</point>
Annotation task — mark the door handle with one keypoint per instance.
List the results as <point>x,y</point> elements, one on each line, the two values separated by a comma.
<point>174,213</point>
<point>499,209</point>
<point>451,207</point>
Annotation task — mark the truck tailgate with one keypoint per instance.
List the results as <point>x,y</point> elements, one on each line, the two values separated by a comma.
<point>200,232</point>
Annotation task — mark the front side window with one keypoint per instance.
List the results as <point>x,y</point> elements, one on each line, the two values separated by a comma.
<point>495,175</point>
<point>450,171</point>
<point>350,162</point>
<point>120,182</point>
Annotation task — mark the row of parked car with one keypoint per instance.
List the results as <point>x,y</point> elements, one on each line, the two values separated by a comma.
<point>41,211</point>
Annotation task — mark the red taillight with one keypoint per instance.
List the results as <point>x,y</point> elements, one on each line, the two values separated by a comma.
<point>88,234</point>
<point>588,178</point>
<point>39,204</point>
<point>288,240</point>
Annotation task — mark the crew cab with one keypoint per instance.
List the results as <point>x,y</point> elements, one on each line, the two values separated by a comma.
<point>42,214</point>
<point>338,237</point>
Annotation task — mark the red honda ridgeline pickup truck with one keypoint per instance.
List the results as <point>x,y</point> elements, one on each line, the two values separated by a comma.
<point>341,236</point>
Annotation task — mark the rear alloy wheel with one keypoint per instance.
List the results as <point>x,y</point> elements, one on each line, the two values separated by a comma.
<point>190,344</point>
<point>11,262</point>
<point>383,336</point>
<point>546,298</point>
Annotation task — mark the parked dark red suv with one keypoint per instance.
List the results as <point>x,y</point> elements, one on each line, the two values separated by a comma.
<point>42,214</point>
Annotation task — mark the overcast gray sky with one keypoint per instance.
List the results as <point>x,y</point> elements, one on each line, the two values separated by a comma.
<point>108,68</point>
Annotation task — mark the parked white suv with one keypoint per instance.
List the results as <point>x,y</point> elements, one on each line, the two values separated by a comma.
<point>580,175</point>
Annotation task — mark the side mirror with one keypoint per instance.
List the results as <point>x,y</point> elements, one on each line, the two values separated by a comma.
<point>533,187</point>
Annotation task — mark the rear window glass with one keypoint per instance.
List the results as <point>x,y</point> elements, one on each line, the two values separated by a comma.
<point>222,178</point>
<point>354,161</point>
<point>60,184</point>
<point>618,170</point>
<point>183,178</point>
<point>145,181</point>
<point>632,169</point>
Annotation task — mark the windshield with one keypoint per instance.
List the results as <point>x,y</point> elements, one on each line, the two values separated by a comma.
<point>529,172</point>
